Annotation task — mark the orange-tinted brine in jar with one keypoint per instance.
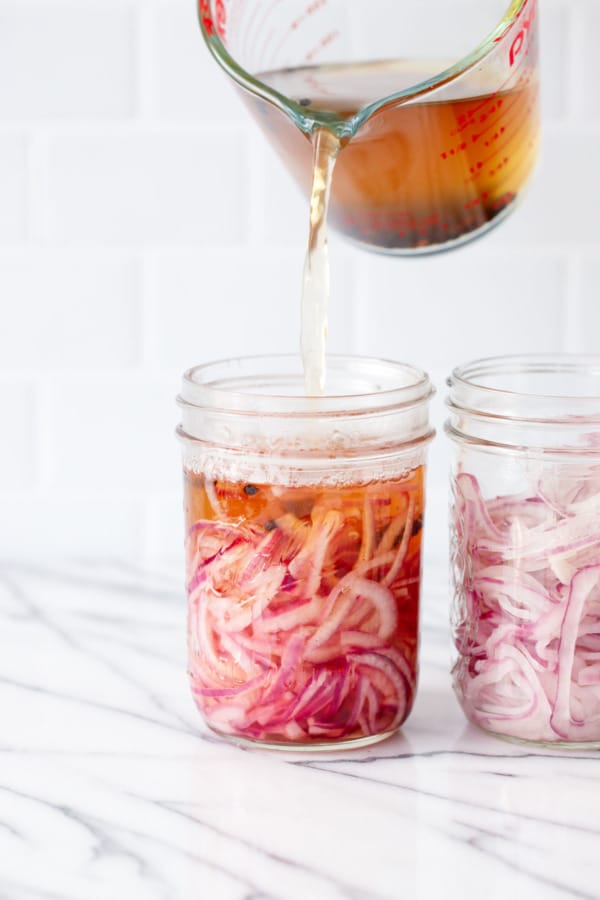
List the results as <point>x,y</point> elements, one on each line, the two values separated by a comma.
<point>304,607</point>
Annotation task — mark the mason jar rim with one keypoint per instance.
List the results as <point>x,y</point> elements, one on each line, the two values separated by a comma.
<point>493,388</point>
<point>273,385</point>
<point>249,418</point>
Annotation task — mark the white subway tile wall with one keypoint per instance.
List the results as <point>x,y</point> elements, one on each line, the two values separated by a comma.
<point>13,187</point>
<point>66,60</point>
<point>146,226</point>
<point>151,188</point>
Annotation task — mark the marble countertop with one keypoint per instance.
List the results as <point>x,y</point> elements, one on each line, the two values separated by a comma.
<point>109,788</point>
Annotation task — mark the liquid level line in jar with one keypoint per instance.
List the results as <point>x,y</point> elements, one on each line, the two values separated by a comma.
<point>304,607</point>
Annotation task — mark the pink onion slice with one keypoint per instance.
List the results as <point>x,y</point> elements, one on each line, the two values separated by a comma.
<point>283,650</point>
<point>529,612</point>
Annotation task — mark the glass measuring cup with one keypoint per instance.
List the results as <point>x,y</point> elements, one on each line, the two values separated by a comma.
<point>435,132</point>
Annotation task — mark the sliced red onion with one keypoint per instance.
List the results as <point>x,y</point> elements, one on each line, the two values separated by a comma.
<point>528,575</point>
<point>282,648</point>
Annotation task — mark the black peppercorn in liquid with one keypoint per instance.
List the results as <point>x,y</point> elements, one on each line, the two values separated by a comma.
<point>416,175</point>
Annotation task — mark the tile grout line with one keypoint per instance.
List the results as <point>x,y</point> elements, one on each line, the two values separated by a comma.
<point>144,63</point>
<point>575,94</point>
<point>43,435</point>
<point>148,335</point>
<point>573,330</point>
<point>37,194</point>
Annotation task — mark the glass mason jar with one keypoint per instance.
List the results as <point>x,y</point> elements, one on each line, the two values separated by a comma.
<point>304,526</point>
<point>525,546</point>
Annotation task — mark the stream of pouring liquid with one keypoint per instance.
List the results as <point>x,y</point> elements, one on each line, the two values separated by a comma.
<point>315,292</point>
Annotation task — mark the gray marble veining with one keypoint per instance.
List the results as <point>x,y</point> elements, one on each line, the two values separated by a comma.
<point>110,789</point>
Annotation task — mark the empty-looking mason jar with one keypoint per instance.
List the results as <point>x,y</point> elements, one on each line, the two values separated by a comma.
<point>304,523</point>
<point>525,528</point>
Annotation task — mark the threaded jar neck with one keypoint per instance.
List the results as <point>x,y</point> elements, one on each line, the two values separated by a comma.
<point>548,403</point>
<point>254,413</point>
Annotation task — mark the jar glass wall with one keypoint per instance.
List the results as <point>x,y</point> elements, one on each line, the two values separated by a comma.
<point>525,546</point>
<point>304,521</point>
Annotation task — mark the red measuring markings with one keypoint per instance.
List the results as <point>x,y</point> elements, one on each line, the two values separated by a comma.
<point>523,118</point>
<point>219,22</point>
<point>310,10</point>
<point>221,17</point>
<point>523,36</point>
<point>324,42</point>
<point>519,51</point>
<point>206,16</point>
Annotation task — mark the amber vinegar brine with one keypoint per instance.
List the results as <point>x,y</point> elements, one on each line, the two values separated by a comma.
<point>418,175</point>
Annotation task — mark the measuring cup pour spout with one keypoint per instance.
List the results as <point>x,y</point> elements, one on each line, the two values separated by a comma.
<point>438,140</point>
